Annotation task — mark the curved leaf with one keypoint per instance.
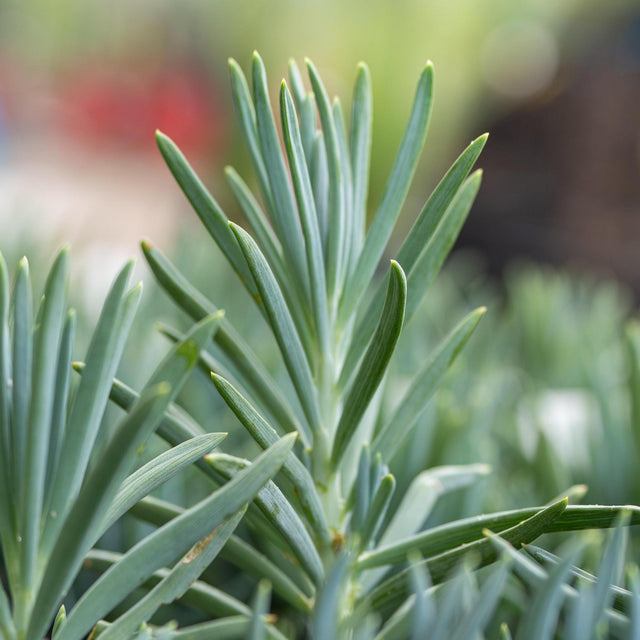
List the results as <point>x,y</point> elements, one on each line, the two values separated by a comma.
<point>157,471</point>
<point>374,363</point>
<point>265,436</point>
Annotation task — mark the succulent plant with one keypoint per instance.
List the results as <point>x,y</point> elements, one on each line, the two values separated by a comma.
<point>312,521</point>
<point>324,532</point>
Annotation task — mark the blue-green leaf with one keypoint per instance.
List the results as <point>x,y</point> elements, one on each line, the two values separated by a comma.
<point>360,148</point>
<point>396,429</point>
<point>247,117</point>
<point>261,603</point>
<point>90,399</point>
<point>441,242</point>
<point>21,373</point>
<point>377,510</point>
<point>392,592</point>
<point>335,238</point>
<point>284,213</point>
<point>265,435</point>
<point>78,532</point>
<point>421,234</point>
<point>394,196</point>
<point>45,358</point>
<point>208,210</point>
<point>248,368</point>
<point>444,537</point>
<point>199,595</point>
<point>476,620</point>
<point>308,217</point>
<point>171,541</point>
<point>59,415</point>
<point>374,362</point>
<point>283,328</point>
<point>157,471</point>
<point>177,581</point>
<point>280,514</point>
<point>329,603</point>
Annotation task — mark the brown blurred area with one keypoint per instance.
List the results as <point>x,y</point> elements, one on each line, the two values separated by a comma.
<point>562,170</point>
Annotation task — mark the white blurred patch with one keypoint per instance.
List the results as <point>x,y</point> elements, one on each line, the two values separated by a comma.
<point>519,59</point>
<point>568,418</point>
<point>96,266</point>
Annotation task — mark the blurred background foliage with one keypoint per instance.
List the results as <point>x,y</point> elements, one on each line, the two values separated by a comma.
<point>542,391</point>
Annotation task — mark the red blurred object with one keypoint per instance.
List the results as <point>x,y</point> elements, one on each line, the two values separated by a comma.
<point>124,109</point>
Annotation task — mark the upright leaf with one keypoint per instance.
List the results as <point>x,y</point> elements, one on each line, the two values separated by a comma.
<point>394,196</point>
<point>374,362</point>
<point>45,357</point>
<point>285,213</point>
<point>308,217</point>
<point>283,328</point>
<point>208,210</point>
<point>335,248</point>
<point>91,398</point>
<point>360,148</point>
